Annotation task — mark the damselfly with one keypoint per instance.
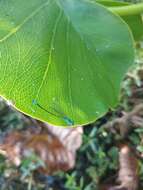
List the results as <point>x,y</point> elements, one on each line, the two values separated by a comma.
<point>67,120</point>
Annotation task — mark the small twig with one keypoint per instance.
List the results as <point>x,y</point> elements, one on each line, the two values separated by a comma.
<point>30,182</point>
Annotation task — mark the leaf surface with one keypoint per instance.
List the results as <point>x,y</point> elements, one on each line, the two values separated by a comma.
<point>62,61</point>
<point>135,22</point>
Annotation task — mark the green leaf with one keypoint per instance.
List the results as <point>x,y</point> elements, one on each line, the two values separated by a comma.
<point>62,61</point>
<point>140,149</point>
<point>135,22</point>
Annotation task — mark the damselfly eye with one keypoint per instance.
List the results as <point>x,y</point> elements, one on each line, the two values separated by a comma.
<point>34,102</point>
<point>69,121</point>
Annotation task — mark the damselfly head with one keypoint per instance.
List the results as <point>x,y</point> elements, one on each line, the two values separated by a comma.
<point>69,121</point>
<point>34,102</point>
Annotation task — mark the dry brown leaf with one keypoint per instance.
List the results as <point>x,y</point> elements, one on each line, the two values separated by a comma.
<point>110,187</point>
<point>55,146</point>
<point>128,172</point>
<point>70,137</point>
<point>128,178</point>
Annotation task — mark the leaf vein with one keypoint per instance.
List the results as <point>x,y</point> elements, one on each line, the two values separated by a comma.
<point>17,28</point>
<point>50,53</point>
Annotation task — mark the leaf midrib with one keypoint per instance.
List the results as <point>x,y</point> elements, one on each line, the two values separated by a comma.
<point>50,53</point>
